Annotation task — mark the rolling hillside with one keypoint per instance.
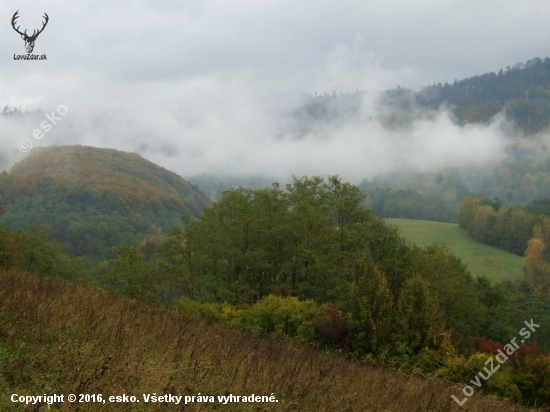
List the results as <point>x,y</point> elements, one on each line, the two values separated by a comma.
<point>80,172</point>
<point>480,259</point>
<point>68,338</point>
<point>92,199</point>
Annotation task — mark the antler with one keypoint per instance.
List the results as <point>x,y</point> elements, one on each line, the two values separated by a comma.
<point>43,25</point>
<point>15,17</point>
<point>34,33</point>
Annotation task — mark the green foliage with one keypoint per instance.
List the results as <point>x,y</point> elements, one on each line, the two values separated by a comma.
<point>387,298</point>
<point>455,369</point>
<point>523,377</point>
<point>94,199</point>
<point>533,379</point>
<point>87,230</point>
<point>303,241</point>
<point>373,307</point>
<point>310,262</point>
<point>31,251</point>
<point>419,318</point>
<point>47,258</point>
<point>207,311</point>
<point>479,98</point>
<point>500,310</point>
<point>314,241</point>
<point>63,337</point>
<point>507,229</point>
<point>450,283</point>
<point>114,179</point>
<point>10,248</point>
<point>538,207</point>
<point>273,314</point>
<point>283,315</point>
<point>130,274</point>
<point>413,203</point>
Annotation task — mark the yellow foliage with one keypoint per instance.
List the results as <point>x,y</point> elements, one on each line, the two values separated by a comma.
<point>534,251</point>
<point>443,342</point>
<point>537,269</point>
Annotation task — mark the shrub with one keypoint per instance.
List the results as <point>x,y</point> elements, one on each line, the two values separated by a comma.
<point>286,315</point>
<point>333,327</point>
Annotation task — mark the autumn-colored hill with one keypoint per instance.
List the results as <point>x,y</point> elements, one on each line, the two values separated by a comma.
<point>93,199</point>
<point>71,171</point>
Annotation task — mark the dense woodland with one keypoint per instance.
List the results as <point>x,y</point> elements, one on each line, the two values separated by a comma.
<point>311,262</point>
<point>521,92</point>
<point>94,199</point>
<point>487,221</point>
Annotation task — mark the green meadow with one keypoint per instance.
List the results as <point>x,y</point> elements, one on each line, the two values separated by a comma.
<point>494,263</point>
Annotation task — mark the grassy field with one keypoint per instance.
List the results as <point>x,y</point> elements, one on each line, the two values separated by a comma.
<point>481,259</point>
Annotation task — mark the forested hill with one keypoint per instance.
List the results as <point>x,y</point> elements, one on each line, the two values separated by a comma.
<point>92,198</point>
<point>522,91</point>
<point>84,174</point>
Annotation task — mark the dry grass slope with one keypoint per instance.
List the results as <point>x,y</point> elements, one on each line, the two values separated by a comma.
<point>112,346</point>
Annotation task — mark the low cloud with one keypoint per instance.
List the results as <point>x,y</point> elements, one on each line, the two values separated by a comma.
<point>214,87</point>
<point>223,127</point>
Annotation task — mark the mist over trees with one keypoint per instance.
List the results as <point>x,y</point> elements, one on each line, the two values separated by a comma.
<point>520,91</point>
<point>321,113</point>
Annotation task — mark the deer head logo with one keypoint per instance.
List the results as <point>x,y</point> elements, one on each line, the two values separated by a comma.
<point>29,40</point>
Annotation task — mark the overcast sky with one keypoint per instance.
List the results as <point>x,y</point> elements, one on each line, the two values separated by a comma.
<point>196,86</point>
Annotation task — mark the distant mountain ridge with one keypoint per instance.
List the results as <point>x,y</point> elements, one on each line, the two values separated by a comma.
<point>521,91</point>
